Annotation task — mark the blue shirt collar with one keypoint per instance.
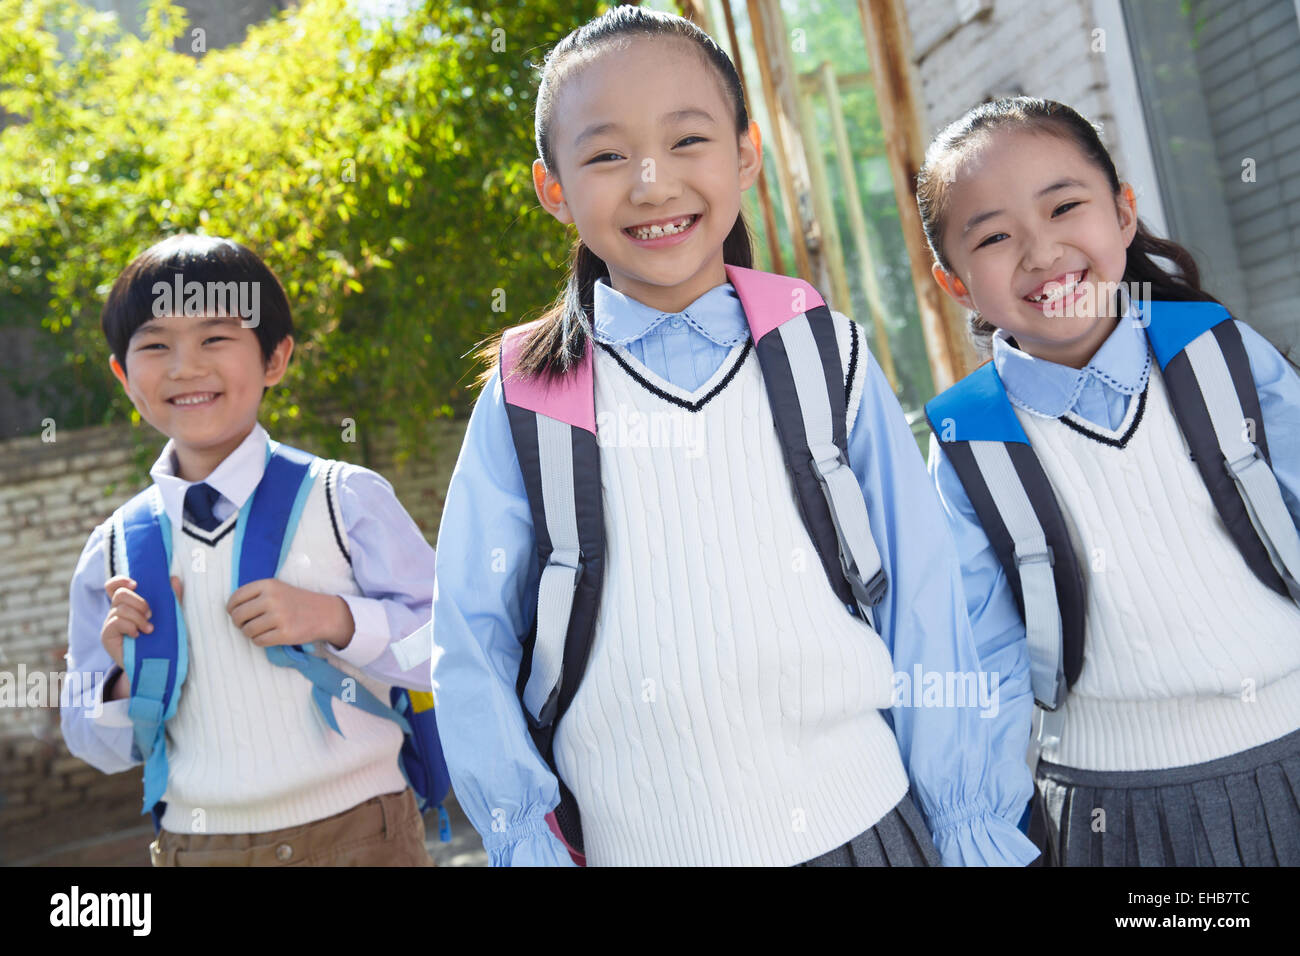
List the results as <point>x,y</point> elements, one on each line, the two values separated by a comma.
<point>1122,364</point>
<point>717,315</point>
<point>235,478</point>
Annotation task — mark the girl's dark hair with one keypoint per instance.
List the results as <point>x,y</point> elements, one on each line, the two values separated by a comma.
<point>200,259</point>
<point>1031,114</point>
<point>559,339</point>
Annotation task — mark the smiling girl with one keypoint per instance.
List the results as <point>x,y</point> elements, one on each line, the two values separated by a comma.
<point>734,703</point>
<point>1123,482</point>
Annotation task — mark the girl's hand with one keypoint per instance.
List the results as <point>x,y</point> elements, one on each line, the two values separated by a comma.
<point>270,612</point>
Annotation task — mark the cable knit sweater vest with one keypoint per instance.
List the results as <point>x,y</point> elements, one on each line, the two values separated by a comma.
<point>247,749</point>
<point>730,711</point>
<point>1188,657</point>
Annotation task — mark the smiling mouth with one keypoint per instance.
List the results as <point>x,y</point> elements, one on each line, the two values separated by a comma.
<point>194,399</point>
<point>1057,288</point>
<point>659,230</point>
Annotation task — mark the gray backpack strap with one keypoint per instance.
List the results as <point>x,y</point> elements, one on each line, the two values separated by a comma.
<point>1243,457</point>
<point>553,426</point>
<point>559,575</point>
<point>1034,561</point>
<point>1014,501</point>
<point>798,351</point>
<point>859,557</point>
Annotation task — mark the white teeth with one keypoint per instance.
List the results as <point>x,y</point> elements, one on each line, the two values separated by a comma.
<point>659,231</point>
<point>1058,291</point>
<point>194,399</point>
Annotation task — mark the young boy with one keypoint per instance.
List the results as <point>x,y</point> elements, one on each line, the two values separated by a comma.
<point>254,774</point>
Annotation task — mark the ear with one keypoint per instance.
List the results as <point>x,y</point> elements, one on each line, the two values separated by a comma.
<point>751,156</point>
<point>119,373</point>
<point>951,283</point>
<point>549,192</point>
<point>278,362</point>
<point>1127,209</point>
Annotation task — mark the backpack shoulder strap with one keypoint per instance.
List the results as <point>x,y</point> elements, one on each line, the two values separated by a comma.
<point>553,423</point>
<point>1212,392</point>
<point>553,426</point>
<point>156,662</point>
<point>795,338</point>
<point>268,521</point>
<point>1013,499</point>
<point>264,533</point>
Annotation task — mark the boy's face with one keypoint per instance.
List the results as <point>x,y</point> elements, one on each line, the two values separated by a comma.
<point>199,381</point>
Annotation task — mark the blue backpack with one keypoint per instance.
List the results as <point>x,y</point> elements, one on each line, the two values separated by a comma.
<point>1212,393</point>
<point>141,545</point>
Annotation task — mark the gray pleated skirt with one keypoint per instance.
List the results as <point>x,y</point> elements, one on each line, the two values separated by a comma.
<point>899,838</point>
<point>1239,810</point>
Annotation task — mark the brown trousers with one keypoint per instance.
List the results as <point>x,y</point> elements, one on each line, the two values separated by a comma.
<point>384,831</point>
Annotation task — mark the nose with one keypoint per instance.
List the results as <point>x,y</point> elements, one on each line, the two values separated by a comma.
<point>1041,251</point>
<point>186,361</point>
<point>653,182</point>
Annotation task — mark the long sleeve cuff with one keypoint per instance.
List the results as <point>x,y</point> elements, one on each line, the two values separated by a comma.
<point>114,713</point>
<point>110,713</point>
<point>370,638</point>
<point>976,836</point>
<point>530,843</point>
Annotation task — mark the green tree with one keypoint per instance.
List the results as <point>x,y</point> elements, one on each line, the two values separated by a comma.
<point>380,166</point>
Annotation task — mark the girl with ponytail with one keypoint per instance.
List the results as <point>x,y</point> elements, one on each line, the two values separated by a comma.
<point>1180,731</point>
<point>733,709</point>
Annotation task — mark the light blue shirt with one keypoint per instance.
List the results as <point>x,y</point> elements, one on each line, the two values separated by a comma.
<point>486,598</point>
<point>1099,392</point>
<point>392,564</point>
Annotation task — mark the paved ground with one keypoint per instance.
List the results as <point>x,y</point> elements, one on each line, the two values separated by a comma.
<point>131,847</point>
<point>466,846</point>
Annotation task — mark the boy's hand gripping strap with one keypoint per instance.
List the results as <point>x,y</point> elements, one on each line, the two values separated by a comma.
<point>263,534</point>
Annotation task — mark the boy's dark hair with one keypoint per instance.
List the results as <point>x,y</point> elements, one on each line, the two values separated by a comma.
<point>560,337</point>
<point>200,259</point>
<point>1032,114</point>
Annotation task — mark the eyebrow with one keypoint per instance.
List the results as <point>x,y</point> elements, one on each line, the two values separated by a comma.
<point>1057,186</point>
<point>675,116</point>
<point>208,321</point>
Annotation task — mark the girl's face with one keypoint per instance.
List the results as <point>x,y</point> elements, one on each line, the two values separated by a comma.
<point>649,167</point>
<point>1037,243</point>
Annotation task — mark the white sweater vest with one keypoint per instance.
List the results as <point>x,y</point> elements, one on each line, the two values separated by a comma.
<point>730,710</point>
<point>1187,656</point>
<point>247,749</point>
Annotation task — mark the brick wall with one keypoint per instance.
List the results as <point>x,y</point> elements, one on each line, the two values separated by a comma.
<point>1015,46</point>
<point>52,494</point>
